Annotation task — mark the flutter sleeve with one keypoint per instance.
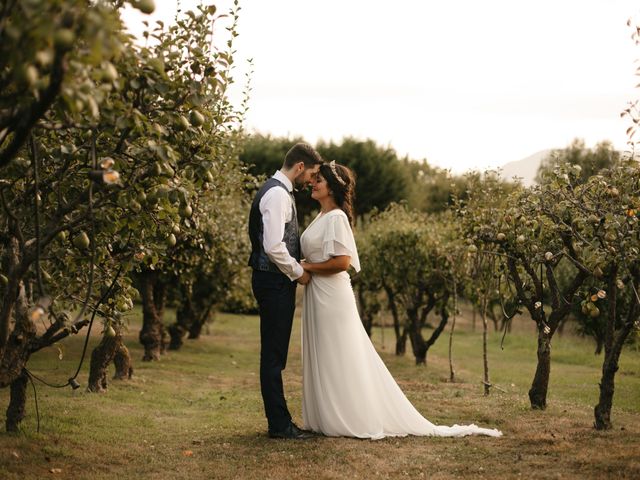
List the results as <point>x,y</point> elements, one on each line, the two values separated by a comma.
<point>338,239</point>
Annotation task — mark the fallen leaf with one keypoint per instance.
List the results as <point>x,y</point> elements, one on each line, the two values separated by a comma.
<point>187,453</point>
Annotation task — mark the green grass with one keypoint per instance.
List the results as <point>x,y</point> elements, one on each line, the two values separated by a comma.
<point>205,399</point>
<point>575,370</point>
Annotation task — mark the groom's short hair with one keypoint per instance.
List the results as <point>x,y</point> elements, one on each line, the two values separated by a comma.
<point>302,152</point>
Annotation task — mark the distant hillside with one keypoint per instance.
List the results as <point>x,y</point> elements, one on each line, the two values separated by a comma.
<point>525,169</point>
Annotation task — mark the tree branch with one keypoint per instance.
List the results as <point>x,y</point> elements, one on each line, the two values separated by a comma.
<point>45,342</point>
<point>513,271</point>
<point>553,287</point>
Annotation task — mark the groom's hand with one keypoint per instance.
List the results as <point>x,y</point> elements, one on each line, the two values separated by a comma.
<point>305,278</point>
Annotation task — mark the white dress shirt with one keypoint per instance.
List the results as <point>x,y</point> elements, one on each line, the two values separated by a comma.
<point>276,207</point>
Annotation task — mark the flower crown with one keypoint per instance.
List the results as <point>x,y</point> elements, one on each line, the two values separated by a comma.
<point>332,165</point>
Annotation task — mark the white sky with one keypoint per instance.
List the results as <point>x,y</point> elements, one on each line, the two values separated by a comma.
<point>462,83</point>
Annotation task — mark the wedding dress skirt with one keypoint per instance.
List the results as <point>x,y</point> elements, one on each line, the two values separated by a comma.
<point>347,389</point>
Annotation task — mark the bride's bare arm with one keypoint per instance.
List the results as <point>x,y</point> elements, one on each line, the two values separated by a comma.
<point>330,267</point>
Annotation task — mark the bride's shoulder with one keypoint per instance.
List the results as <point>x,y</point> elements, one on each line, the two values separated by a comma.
<point>337,212</point>
<point>337,216</point>
<point>339,219</point>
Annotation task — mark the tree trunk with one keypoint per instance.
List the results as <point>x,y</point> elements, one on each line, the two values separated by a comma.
<point>602,410</point>
<point>473,318</point>
<point>6,313</point>
<point>202,312</point>
<point>452,375</point>
<point>122,361</point>
<point>101,357</point>
<point>10,263</point>
<point>176,334</point>
<point>196,329</point>
<point>401,337</point>
<point>16,355</point>
<point>492,315</point>
<point>152,333</point>
<point>185,318</point>
<point>367,322</point>
<point>485,357</point>
<point>365,312</point>
<point>401,342</point>
<point>599,345</point>
<point>540,385</point>
<point>444,318</point>
<point>14,359</point>
<point>418,344</point>
<point>159,297</point>
<point>18,400</point>
<point>612,349</point>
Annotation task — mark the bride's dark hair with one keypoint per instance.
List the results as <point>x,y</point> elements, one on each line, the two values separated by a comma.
<point>342,183</point>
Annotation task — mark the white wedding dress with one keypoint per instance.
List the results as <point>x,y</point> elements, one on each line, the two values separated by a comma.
<point>347,389</point>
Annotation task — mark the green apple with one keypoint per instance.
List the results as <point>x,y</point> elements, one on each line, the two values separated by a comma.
<point>44,58</point>
<point>29,75</point>
<point>196,118</point>
<point>186,211</point>
<point>182,123</point>
<point>135,206</point>
<point>109,72</point>
<point>63,39</point>
<point>145,6</point>
<point>109,332</point>
<point>81,241</point>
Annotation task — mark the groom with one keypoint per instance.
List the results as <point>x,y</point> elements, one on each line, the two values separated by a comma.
<point>275,259</point>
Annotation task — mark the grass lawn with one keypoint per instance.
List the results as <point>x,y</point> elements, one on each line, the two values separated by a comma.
<point>198,413</point>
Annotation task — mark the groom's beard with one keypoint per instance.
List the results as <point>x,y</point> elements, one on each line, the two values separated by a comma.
<point>300,184</point>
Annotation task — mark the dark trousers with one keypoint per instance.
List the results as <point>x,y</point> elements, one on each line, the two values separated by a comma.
<point>276,296</point>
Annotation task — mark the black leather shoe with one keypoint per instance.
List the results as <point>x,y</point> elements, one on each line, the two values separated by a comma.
<point>310,432</point>
<point>293,432</point>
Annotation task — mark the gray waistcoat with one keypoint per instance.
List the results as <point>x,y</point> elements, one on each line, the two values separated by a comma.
<point>259,259</point>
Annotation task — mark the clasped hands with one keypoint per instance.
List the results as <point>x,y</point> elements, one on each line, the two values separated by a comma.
<point>306,275</point>
<point>337,264</point>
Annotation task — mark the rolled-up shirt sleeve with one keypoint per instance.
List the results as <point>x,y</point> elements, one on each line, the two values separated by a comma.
<point>276,208</point>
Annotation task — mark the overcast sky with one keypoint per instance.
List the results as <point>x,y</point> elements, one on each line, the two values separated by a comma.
<point>462,83</point>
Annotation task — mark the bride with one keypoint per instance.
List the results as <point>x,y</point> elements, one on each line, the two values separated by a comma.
<point>347,389</point>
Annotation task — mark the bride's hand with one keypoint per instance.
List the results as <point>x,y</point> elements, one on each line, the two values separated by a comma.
<point>305,266</point>
<point>305,278</point>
